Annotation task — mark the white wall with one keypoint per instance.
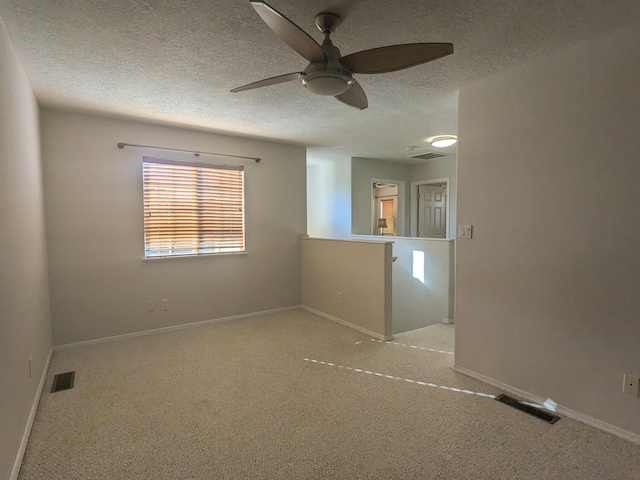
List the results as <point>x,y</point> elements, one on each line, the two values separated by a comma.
<point>100,283</point>
<point>329,197</point>
<point>361,270</point>
<point>422,290</point>
<point>444,167</point>
<point>548,172</point>
<point>25,330</point>
<point>363,170</point>
<point>422,281</point>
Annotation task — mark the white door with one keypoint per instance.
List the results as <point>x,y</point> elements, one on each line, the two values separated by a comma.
<point>432,211</point>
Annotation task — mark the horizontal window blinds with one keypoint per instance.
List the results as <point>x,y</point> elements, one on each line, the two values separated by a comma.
<point>192,209</point>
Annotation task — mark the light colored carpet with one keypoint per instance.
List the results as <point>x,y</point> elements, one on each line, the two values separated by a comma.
<point>252,399</point>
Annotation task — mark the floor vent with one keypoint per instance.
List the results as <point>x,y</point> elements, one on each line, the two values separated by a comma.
<point>63,381</point>
<point>523,407</point>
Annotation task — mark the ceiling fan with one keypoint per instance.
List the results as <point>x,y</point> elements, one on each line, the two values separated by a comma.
<point>329,73</point>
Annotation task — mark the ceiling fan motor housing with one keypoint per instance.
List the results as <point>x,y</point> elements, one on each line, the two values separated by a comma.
<point>327,22</point>
<point>328,78</point>
<point>330,74</point>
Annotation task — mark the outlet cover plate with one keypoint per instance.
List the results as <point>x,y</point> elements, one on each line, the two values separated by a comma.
<point>631,384</point>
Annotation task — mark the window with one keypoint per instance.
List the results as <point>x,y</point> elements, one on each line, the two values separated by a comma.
<point>192,208</point>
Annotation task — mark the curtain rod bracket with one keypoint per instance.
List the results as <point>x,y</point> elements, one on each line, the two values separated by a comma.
<point>121,145</point>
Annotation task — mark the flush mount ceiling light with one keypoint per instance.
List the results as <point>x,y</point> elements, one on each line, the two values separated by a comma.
<point>443,141</point>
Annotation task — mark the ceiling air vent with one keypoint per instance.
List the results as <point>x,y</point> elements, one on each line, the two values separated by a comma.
<point>427,156</point>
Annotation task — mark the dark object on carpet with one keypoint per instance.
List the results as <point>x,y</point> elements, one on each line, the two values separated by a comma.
<point>63,381</point>
<point>523,407</point>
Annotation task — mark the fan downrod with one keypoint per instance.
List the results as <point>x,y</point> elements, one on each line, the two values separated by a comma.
<point>327,22</point>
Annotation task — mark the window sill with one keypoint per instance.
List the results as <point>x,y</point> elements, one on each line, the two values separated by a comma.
<point>197,255</point>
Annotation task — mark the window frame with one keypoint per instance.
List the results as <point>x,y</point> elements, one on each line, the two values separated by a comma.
<point>198,241</point>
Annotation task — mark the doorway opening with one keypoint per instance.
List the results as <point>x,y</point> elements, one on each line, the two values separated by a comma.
<point>387,207</point>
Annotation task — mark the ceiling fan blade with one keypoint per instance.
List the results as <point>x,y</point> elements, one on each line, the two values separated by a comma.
<point>395,57</point>
<point>290,33</point>
<point>354,97</point>
<point>269,81</point>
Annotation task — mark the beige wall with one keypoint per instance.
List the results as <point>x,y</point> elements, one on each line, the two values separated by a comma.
<point>548,171</point>
<point>100,283</point>
<point>363,170</point>
<point>25,330</point>
<point>361,270</point>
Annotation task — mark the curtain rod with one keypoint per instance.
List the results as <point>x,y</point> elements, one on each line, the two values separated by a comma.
<point>195,152</point>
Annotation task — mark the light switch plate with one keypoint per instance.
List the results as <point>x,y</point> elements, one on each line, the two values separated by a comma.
<point>465,231</point>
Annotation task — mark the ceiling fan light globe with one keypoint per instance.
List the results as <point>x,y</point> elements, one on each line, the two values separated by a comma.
<point>327,85</point>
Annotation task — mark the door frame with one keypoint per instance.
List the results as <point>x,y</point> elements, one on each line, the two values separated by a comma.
<point>414,203</point>
<point>401,197</point>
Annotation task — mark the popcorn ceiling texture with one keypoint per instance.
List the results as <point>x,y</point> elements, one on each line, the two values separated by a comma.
<point>175,61</point>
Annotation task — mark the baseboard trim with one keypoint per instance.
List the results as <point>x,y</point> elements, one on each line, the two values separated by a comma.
<point>32,415</point>
<point>448,321</point>
<point>560,410</point>
<point>348,324</point>
<point>175,327</point>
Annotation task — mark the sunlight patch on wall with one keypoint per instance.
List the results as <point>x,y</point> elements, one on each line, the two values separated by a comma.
<point>418,265</point>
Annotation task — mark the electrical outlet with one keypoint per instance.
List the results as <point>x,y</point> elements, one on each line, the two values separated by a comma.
<point>151,306</point>
<point>340,297</point>
<point>631,384</point>
<point>165,304</point>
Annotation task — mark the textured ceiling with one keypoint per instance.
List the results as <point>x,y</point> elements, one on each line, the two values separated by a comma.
<point>175,61</point>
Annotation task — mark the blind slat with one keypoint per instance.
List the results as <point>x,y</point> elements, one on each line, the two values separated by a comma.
<point>192,209</point>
